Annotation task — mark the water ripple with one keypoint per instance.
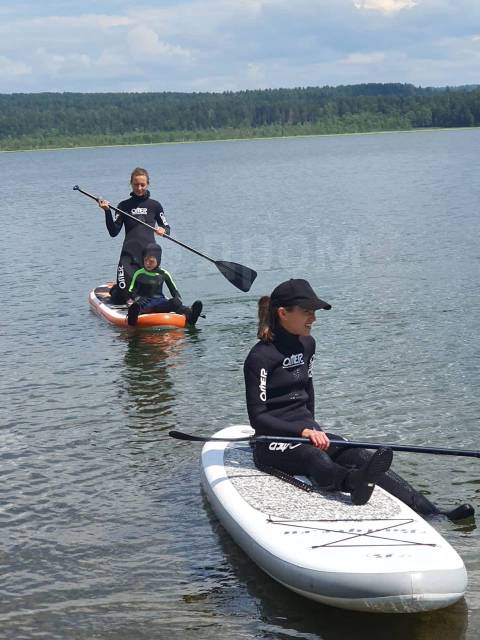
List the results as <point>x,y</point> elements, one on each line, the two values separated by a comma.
<point>105,532</point>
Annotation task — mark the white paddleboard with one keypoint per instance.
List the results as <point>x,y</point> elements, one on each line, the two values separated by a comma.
<point>380,557</point>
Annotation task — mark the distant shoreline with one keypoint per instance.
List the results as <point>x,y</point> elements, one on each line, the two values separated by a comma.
<point>193,140</point>
<point>57,121</point>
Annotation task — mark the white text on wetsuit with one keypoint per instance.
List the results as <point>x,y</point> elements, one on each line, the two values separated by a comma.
<point>139,211</point>
<point>282,446</point>
<point>310,366</point>
<point>121,277</point>
<point>263,385</point>
<point>295,360</point>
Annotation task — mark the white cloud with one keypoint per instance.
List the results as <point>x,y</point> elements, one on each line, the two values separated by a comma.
<point>57,64</point>
<point>385,6</point>
<point>144,41</point>
<point>256,75</point>
<point>9,67</point>
<point>365,58</point>
<point>111,59</point>
<point>71,23</point>
<point>187,45</point>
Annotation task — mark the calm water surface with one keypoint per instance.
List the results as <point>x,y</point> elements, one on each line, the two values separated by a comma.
<point>105,532</point>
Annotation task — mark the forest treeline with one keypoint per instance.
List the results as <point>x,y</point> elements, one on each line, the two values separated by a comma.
<point>43,120</point>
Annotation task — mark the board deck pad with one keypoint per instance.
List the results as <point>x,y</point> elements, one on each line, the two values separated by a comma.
<point>280,499</point>
<point>331,516</point>
<point>103,294</point>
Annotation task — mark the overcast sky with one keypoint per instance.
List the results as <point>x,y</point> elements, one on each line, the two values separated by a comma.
<point>229,45</point>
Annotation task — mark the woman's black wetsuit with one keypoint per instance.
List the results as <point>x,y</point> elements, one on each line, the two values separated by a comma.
<point>137,236</point>
<point>280,402</point>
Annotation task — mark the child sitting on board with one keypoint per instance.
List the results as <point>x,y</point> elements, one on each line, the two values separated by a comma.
<point>145,291</point>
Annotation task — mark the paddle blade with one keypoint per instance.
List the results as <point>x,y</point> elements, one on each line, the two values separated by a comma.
<point>240,276</point>
<point>184,436</point>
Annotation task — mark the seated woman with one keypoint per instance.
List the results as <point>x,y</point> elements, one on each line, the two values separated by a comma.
<point>280,402</point>
<point>280,397</point>
<point>145,290</point>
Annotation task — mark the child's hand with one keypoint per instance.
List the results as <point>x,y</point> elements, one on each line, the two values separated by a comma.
<point>104,204</point>
<point>160,231</point>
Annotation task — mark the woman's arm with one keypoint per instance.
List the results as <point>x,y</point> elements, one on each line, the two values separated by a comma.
<point>161,220</point>
<point>317,438</point>
<point>113,225</point>
<point>309,388</point>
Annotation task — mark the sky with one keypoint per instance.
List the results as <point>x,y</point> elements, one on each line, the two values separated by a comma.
<point>231,45</point>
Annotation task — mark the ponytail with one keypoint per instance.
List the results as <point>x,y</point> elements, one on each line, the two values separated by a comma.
<point>267,318</point>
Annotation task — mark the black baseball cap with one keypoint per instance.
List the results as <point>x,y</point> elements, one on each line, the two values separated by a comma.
<point>297,292</point>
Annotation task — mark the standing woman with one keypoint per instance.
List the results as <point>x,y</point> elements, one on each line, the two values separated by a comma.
<point>280,397</point>
<point>137,236</point>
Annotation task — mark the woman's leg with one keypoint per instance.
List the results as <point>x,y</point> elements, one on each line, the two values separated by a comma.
<point>323,470</point>
<point>126,267</point>
<point>391,481</point>
<point>302,459</point>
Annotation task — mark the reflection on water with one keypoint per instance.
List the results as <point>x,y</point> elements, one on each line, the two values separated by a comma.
<point>285,614</point>
<point>149,359</point>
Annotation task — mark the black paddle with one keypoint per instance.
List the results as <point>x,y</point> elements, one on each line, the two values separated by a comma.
<point>179,435</point>
<point>240,276</point>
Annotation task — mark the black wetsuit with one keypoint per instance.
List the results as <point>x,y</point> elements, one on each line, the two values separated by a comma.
<point>137,236</point>
<point>280,402</point>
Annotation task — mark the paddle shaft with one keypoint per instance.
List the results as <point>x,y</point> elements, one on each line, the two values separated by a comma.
<point>129,215</point>
<point>440,451</point>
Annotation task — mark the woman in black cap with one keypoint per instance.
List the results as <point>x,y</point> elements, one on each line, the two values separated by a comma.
<point>280,397</point>
<point>137,235</point>
<point>280,402</point>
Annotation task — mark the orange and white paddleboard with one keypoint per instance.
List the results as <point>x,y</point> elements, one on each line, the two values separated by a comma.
<point>101,304</point>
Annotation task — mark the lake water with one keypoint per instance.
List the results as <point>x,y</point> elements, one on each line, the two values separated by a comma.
<point>105,532</point>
